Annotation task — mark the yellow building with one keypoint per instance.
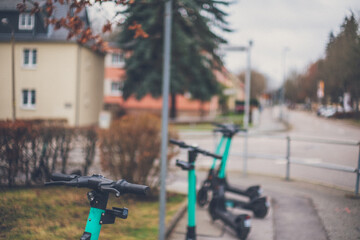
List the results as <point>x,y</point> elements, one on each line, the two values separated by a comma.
<point>53,78</point>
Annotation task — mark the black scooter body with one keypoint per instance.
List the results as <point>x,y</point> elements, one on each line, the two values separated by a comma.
<point>258,205</point>
<point>240,223</point>
<point>251,192</point>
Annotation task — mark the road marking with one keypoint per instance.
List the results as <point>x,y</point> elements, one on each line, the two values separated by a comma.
<point>313,160</point>
<point>280,161</point>
<point>308,160</point>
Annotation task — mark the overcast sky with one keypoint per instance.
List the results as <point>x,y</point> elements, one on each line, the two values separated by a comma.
<point>301,26</point>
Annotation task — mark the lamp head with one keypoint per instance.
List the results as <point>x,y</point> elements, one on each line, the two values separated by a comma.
<point>4,21</point>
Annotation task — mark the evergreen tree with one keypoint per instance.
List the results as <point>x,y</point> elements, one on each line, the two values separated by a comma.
<point>193,53</point>
<point>340,69</point>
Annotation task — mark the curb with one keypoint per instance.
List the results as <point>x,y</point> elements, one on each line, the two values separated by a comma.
<point>178,215</point>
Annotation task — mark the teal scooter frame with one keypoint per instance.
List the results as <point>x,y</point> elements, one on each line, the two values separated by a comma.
<point>239,223</point>
<point>190,167</point>
<point>98,198</point>
<point>259,205</point>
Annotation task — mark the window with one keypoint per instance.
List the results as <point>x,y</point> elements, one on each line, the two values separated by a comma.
<point>117,59</point>
<point>116,88</point>
<point>26,21</point>
<point>30,58</point>
<point>28,98</point>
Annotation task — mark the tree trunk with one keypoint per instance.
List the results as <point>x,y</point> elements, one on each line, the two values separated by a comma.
<point>173,109</point>
<point>202,111</point>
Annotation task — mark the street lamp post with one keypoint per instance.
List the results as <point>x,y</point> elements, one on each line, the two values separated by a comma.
<point>282,100</point>
<point>247,97</point>
<point>165,117</point>
<point>5,22</point>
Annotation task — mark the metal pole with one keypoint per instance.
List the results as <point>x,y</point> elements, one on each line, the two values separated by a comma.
<point>288,159</point>
<point>247,106</point>
<point>357,175</point>
<point>282,100</point>
<point>165,116</point>
<point>13,75</point>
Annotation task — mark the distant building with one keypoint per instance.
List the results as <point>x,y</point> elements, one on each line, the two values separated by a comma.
<point>115,74</point>
<point>235,89</point>
<point>54,78</point>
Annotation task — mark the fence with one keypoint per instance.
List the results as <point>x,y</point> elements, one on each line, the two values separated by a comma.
<point>302,161</point>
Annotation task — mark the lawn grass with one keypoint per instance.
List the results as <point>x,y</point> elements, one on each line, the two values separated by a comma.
<point>61,213</point>
<point>194,127</point>
<point>228,118</point>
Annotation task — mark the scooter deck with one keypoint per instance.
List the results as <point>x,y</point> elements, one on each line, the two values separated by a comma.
<point>252,192</point>
<point>259,206</point>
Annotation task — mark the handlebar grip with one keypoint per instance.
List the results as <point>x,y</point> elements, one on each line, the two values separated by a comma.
<point>218,124</point>
<point>179,143</point>
<point>215,156</point>
<point>126,187</point>
<point>206,153</point>
<point>62,177</point>
<point>219,130</point>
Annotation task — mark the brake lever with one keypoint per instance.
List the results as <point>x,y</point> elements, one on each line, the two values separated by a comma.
<point>107,188</point>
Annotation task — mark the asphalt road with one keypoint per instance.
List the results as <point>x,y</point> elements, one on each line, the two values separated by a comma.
<point>270,140</point>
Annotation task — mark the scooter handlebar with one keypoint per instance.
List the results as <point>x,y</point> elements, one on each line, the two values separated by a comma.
<point>63,177</point>
<point>98,182</point>
<point>179,143</point>
<point>206,153</point>
<point>199,150</point>
<point>228,128</point>
<point>125,187</point>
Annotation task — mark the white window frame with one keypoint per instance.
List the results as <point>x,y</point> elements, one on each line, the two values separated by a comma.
<point>28,104</point>
<point>116,92</point>
<point>31,63</point>
<point>29,21</point>
<point>119,59</point>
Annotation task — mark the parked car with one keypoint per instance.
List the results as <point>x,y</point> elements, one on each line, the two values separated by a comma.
<point>326,111</point>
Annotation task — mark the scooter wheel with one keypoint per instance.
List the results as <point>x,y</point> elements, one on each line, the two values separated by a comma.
<point>202,197</point>
<point>253,192</point>
<point>243,222</point>
<point>260,208</point>
<point>261,213</point>
<point>212,209</point>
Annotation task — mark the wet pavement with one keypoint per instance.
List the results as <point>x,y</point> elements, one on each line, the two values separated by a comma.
<point>299,209</point>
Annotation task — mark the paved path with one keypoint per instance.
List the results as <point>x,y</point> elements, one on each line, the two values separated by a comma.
<point>270,140</point>
<point>299,210</point>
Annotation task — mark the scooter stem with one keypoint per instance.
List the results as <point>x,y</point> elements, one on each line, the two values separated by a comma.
<point>191,231</point>
<point>218,150</point>
<point>225,158</point>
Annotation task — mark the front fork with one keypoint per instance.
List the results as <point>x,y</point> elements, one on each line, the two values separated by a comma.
<point>189,166</point>
<point>93,225</point>
<point>191,229</point>
<point>99,215</point>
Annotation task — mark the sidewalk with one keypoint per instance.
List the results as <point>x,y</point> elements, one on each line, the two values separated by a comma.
<point>269,121</point>
<point>299,211</point>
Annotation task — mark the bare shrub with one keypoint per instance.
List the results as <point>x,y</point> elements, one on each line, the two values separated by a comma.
<point>31,150</point>
<point>130,149</point>
<point>88,141</point>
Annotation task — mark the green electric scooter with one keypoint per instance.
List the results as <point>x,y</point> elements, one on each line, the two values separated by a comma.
<point>240,223</point>
<point>259,205</point>
<point>98,197</point>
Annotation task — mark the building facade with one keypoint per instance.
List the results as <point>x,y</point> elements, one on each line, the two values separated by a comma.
<point>52,78</point>
<point>115,74</point>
